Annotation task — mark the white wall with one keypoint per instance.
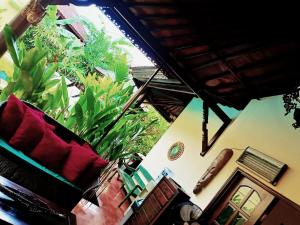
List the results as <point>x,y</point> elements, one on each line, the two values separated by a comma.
<point>262,125</point>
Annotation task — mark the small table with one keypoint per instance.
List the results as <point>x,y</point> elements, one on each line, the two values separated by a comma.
<point>20,206</point>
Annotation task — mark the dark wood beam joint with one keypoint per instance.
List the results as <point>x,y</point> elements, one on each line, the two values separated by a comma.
<point>206,145</point>
<point>219,112</point>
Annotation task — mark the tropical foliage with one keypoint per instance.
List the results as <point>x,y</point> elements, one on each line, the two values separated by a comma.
<point>31,77</point>
<point>148,139</point>
<point>98,105</point>
<point>72,56</point>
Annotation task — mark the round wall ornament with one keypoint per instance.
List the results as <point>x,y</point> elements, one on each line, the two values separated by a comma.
<point>175,151</point>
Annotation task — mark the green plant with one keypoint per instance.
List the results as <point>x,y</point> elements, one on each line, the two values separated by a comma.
<point>99,50</point>
<point>46,32</point>
<point>148,139</point>
<point>98,106</point>
<point>33,79</point>
<point>122,139</point>
<point>103,97</point>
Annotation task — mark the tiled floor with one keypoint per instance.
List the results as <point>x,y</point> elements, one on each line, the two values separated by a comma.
<point>108,213</point>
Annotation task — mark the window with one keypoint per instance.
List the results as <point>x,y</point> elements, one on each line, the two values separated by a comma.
<point>243,205</point>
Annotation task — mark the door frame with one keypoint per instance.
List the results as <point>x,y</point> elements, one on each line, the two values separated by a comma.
<point>231,182</point>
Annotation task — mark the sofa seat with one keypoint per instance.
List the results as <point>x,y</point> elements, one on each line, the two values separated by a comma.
<point>5,146</point>
<point>22,166</point>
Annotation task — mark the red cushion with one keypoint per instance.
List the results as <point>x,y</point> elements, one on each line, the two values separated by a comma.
<point>51,151</point>
<point>100,162</point>
<point>79,159</point>
<point>38,113</point>
<point>93,171</point>
<point>30,132</point>
<point>11,117</point>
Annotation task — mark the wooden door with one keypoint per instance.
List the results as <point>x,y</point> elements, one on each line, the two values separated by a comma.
<point>283,213</point>
<point>244,204</point>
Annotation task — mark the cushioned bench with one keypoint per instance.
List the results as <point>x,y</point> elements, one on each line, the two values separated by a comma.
<point>23,170</point>
<point>5,146</point>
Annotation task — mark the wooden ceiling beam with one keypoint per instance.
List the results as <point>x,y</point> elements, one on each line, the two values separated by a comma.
<point>241,96</point>
<point>165,104</point>
<point>283,59</point>
<point>174,37</point>
<point>171,89</point>
<point>158,16</point>
<point>166,27</point>
<point>252,83</point>
<point>217,44</point>
<point>223,48</point>
<point>171,28</point>
<point>145,40</point>
<point>235,74</point>
<point>159,81</point>
<point>193,45</point>
<point>162,35</point>
<point>230,56</point>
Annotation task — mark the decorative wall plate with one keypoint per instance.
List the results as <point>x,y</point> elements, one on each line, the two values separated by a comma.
<point>175,151</point>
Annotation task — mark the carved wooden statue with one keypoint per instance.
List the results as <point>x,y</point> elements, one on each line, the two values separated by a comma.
<point>213,169</point>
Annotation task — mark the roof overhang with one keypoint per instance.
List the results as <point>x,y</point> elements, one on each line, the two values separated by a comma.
<point>223,52</point>
<point>226,52</point>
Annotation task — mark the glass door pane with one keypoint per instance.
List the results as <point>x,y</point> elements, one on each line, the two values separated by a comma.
<point>239,220</point>
<point>240,195</point>
<point>225,215</point>
<point>251,203</point>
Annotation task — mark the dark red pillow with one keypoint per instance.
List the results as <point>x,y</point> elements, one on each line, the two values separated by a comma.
<point>30,132</point>
<point>79,159</point>
<point>93,171</point>
<point>11,117</point>
<point>51,151</point>
<point>35,112</point>
<point>40,114</point>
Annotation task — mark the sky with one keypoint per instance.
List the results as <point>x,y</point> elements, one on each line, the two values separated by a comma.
<point>99,19</point>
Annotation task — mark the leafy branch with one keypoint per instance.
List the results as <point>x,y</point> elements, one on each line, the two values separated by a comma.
<point>291,101</point>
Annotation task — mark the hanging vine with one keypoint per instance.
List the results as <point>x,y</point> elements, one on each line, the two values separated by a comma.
<point>291,101</point>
